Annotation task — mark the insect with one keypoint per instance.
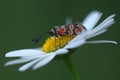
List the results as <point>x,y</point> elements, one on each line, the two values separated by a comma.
<point>68,29</point>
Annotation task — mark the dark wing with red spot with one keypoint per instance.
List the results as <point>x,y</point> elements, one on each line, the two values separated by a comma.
<point>62,30</point>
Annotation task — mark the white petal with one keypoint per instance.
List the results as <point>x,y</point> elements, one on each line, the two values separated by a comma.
<point>91,20</point>
<point>98,30</point>
<point>17,61</point>
<point>101,41</point>
<point>105,24</point>
<point>93,35</point>
<point>24,59</point>
<point>24,52</point>
<point>109,18</point>
<point>75,44</point>
<point>61,51</point>
<point>44,61</point>
<point>102,26</point>
<point>28,65</point>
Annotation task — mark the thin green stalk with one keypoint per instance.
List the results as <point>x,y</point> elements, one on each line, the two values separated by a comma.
<point>71,67</point>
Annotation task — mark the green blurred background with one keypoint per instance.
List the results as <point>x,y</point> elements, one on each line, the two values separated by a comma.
<point>22,20</point>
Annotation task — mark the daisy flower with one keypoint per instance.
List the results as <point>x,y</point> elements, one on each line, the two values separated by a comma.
<point>36,58</point>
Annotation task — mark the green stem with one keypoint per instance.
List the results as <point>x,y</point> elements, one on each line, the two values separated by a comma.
<point>70,66</point>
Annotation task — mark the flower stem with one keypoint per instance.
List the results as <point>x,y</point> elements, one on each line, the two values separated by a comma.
<point>71,68</point>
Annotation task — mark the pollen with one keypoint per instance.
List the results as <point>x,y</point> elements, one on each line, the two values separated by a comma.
<point>54,43</point>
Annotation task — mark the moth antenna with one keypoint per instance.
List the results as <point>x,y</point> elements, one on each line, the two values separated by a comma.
<point>37,38</point>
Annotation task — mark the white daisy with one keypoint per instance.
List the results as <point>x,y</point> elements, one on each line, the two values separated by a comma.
<point>37,58</point>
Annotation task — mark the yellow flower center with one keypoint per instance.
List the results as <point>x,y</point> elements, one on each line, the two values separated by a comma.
<point>54,43</point>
